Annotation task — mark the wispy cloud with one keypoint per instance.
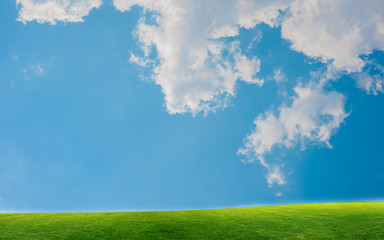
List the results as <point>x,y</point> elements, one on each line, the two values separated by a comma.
<point>14,57</point>
<point>255,40</point>
<point>36,70</point>
<point>279,194</point>
<point>371,79</point>
<point>279,76</point>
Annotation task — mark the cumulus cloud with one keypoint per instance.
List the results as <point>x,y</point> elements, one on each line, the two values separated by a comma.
<point>313,117</point>
<point>52,11</point>
<point>337,33</point>
<point>193,57</point>
<point>336,30</point>
<point>197,69</point>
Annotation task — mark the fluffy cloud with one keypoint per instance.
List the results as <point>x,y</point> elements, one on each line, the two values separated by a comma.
<point>312,117</point>
<point>51,11</point>
<point>197,69</point>
<point>188,46</point>
<point>336,30</point>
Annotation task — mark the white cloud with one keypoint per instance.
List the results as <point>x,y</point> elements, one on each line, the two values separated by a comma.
<point>51,11</point>
<point>14,58</point>
<point>313,117</point>
<point>279,76</point>
<point>275,175</point>
<point>337,30</point>
<point>371,84</point>
<point>32,71</point>
<point>255,40</point>
<point>37,69</point>
<point>143,62</point>
<point>372,79</point>
<point>334,31</point>
<point>279,194</point>
<point>198,71</point>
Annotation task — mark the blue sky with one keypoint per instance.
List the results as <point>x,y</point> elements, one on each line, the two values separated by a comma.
<point>156,105</point>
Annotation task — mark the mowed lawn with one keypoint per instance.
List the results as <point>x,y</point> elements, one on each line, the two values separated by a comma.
<point>303,221</point>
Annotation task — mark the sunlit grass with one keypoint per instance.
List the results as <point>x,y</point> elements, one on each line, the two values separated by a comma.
<point>306,221</point>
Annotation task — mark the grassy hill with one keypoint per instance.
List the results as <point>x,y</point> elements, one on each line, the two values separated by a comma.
<point>306,221</point>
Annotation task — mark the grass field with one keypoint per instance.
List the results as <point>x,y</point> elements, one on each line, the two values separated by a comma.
<point>305,221</point>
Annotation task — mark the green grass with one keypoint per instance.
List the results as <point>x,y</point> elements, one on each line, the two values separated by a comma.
<point>305,221</point>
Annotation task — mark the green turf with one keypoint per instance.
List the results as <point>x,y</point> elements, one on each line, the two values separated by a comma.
<point>306,221</point>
